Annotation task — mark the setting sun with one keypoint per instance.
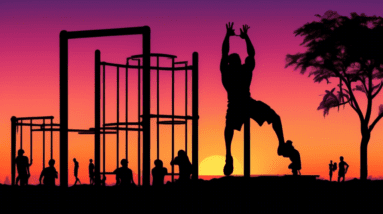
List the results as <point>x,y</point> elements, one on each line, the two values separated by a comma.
<point>213,165</point>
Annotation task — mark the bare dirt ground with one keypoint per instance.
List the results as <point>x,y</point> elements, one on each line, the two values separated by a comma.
<point>223,195</point>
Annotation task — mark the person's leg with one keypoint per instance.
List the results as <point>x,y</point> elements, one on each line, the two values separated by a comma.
<point>338,179</point>
<point>228,169</point>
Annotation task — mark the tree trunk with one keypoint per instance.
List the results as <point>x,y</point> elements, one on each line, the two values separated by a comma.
<point>363,154</point>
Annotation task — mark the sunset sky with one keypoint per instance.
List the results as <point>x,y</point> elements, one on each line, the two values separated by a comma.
<point>29,80</point>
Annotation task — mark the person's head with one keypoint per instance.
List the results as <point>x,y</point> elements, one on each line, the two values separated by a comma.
<point>181,153</point>
<point>234,60</point>
<point>90,160</point>
<point>74,159</point>
<point>124,162</point>
<point>20,152</point>
<point>341,158</point>
<point>330,161</point>
<point>51,162</point>
<point>158,163</point>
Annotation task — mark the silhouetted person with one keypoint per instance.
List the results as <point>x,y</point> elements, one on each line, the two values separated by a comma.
<point>332,168</point>
<point>124,175</point>
<point>295,158</point>
<point>185,167</point>
<point>23,165</point>
<point>159,172</point>
<point>236,79</point>
<point>91,172</point>
<point>342,170</point>
<point>76,166</point>
<point>49,174</point>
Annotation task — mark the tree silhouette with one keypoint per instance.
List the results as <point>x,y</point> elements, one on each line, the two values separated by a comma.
<point>349,50</point>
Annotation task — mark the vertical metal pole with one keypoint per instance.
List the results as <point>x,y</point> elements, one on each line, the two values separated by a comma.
<point>246,148</point>
<point>21,136</point>
<point>51,138</point>
<point>186,108</point>
<point>13,149</point>
<point>126,111</point>
<point>63,109</point>
<point>44,144</point>
<point>158,107</point>
<point>97,112</point>
<point>195,116</point>
<point>172,118</point>
<point>30,137</point>
<point>103,119</point>
<point>139,113</point>
<point>118,112</point>
<point>146,106</point>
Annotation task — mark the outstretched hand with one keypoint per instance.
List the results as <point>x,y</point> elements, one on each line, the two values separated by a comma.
<point>229,29</point>
<point>243,31</point>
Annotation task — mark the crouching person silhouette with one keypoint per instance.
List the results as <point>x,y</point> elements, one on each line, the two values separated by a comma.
<point>185,167</point>
<point>236,79</point>
<point>159,172</point>
<point>295,158</point>
<point>124,175</point>
<point>49,174</point>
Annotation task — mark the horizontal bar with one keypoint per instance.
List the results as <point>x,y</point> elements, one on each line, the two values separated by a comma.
<point>121,124</point>
<point>120,128</point>
<point>151,67</point>
<point>182,62</point>
<point>172,122</point>
<point>69,130</point>
<point>108,173</point>
<point>170,116</point>
<point>34,118</point>
<point>154,55</point>
<point>94,132</point>
<point>107,32</point>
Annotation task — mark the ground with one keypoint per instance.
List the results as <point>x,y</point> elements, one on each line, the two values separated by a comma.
<point>223,195</point>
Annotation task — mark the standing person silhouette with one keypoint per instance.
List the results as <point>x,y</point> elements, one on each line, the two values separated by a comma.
<point>49,174</point>
<point>159,172</point>
<point>342,170</point>
<point>124,175</point>
<point>236,79</point>
<point>22,164</point>
<point>332,168</point>
<point>91,172</point>
<point>76,166</point>
<point>185,167</point>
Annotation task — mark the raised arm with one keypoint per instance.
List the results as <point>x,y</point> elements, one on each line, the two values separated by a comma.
<point>225,45</point>
<point>249,45</point>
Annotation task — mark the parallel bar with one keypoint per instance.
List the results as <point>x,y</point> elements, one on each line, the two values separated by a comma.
<point>107,32</point>
<point>13,149</point>
<point>29,124</point>
<point>154,54</point>
<point>118,114</point>
<point>172,119</point>
<point>92,132</point>
<point>195,116</point>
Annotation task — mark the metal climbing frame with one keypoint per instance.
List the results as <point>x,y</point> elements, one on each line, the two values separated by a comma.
<point>126,125</point>
<point>65,36</point>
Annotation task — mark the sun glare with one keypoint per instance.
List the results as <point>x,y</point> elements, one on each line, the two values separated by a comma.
<point>213,165</point>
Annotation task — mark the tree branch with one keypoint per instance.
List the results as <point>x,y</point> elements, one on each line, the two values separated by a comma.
<point>377,92</point>
<point>375,122</point>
